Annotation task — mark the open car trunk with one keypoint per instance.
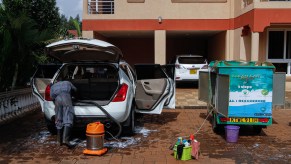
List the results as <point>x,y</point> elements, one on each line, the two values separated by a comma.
<point>94,82</point>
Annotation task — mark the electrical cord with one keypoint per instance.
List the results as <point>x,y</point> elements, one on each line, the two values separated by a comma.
<point>113,137</point>
<point>108,115</point>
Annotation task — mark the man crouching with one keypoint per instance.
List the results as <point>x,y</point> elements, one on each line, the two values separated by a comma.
<point>61,95</point>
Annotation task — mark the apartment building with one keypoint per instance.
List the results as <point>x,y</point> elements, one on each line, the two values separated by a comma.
<point>156,30</point>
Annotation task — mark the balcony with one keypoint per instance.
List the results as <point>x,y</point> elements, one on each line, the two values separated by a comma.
<point>266,3</point>
<point>100,7</point>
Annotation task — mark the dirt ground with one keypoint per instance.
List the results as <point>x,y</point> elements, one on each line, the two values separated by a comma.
<point>27,141</point>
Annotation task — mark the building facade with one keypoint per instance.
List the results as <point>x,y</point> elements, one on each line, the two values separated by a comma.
<point>154,31</point>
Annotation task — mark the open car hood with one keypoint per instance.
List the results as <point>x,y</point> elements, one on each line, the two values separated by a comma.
<point>83,50</point>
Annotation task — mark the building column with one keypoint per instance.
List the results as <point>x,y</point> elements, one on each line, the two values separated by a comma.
<point>88,34</point>
<point>255,46</point>
<point>160,47</point>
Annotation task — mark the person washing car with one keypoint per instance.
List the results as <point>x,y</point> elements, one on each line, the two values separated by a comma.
<point>61,95</point>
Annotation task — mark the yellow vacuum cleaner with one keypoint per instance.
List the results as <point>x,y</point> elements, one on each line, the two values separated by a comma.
<point>95,139</point>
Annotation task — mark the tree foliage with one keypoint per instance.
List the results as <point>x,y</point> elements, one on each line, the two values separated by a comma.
<point>70,24</point>
<point>23,37</point>
<point>26,26</point>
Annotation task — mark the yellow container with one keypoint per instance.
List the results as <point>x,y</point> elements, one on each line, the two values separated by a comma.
<point>186,155</point>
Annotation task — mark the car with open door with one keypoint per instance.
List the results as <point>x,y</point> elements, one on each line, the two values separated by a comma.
<point>108,89</point>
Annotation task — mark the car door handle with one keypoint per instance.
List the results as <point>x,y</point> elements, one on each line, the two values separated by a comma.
<point>147,82</point>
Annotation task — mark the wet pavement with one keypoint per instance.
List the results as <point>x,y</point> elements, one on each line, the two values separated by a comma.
<point>27,141</point>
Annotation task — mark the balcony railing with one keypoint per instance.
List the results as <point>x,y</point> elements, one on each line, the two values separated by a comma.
<point>248,2</point>
<point>100,6</point>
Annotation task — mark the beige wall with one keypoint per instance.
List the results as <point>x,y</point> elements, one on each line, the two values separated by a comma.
<point>227,45</point>
<point>151,9</point>
<point>240,7</point>
<point>88,34</point>
<point>160,47</point>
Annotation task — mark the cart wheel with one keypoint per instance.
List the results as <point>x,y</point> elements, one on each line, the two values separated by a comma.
<point>257,129</point>
<point>214,124</point>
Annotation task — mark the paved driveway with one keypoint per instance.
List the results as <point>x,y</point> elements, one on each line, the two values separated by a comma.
<point>29,142</point>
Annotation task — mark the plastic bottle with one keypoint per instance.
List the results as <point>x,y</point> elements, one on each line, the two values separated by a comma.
<point>191,138</point>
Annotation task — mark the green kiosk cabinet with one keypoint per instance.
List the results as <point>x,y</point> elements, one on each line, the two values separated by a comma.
<point>241,93</point>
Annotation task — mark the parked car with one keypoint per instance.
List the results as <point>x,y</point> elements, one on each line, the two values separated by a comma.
<point>187,67</point>
<point>96,69</point>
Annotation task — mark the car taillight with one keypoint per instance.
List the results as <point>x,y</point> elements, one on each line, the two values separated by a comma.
<point>121,94</point>
<point>47,93</point>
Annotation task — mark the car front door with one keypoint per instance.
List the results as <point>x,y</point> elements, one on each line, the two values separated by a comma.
<point>153,89</point>
<point>41,78</point>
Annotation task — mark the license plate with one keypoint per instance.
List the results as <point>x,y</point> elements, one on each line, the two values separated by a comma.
<point>193,71</point>
<point>243,120</point>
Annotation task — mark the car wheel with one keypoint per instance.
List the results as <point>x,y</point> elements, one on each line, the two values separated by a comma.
<point>51,126</point>
<point>129,129</point>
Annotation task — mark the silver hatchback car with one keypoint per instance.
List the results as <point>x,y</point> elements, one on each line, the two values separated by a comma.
<point>109,89</point>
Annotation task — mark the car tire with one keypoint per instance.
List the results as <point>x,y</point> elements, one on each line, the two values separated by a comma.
<point>129,129</point>
<point>51,126</point>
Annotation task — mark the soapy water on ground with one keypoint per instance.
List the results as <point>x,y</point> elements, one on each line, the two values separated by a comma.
<point>145,132</point>
<point>125,142</point>
<point>44,137</point>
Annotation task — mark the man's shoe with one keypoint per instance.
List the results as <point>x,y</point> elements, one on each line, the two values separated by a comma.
<point>66,137</point>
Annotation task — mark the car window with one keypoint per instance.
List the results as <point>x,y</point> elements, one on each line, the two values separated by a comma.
<point>170,70</point>
<point>82,71</point>
<point>128,71</point>
<point>132,72</point>
<point>46,71</point>
<point>191,60</point>
<point>149,71</point>
<point>125,70</point>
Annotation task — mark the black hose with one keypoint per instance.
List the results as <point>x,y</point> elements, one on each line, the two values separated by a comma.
<point>107,114</point>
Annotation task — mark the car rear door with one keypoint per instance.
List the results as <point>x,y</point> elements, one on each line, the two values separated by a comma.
<point>169,69</point>
<point>153,88</point>
<point>41,78</point>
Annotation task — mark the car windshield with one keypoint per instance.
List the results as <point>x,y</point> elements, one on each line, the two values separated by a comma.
<point>191,60</point>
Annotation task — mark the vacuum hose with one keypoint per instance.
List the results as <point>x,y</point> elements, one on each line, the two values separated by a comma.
<point>107,114</point>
